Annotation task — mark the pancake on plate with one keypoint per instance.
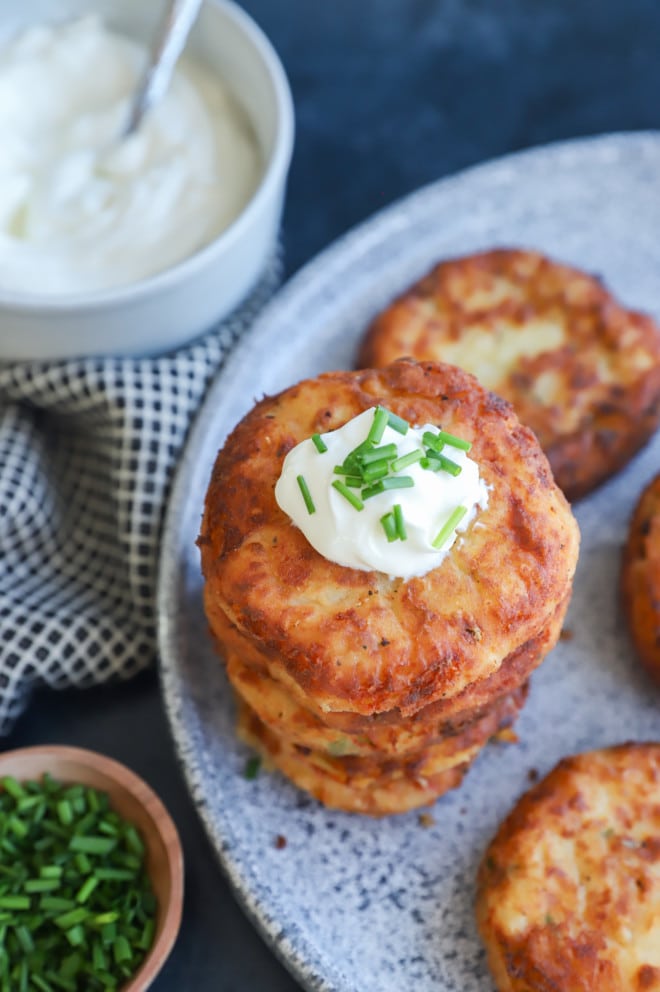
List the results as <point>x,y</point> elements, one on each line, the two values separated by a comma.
<point>314,647</point>
<point>640,578</point>
<point>569,889</point>
<point>579,368</point>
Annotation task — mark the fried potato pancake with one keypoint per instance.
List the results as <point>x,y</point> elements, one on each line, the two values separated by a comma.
<point>569,889</point>
<point>579,368</point>
<point>362,642</point>
<point>287,718</point>
<point>388,730</point>
<point>376,791</point>
<point>640,578</point>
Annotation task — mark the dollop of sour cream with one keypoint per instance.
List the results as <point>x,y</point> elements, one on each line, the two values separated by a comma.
<point>81,211</point>
<point>356,538</point>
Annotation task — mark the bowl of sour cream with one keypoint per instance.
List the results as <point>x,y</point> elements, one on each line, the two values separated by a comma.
<point>137,245</point>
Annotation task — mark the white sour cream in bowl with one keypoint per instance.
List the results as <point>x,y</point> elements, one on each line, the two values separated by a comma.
<point>82,212</point>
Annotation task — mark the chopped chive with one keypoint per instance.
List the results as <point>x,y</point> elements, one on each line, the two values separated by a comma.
<point>354,500</point>
<point>397,424</point>
<point>41,984</point>
<point>376,470</point>
<point>432,441</point>
<point>17,827</point>
<point>13,787</point>
<point>400,523</point>
<point>93,844</point>
<point>65,812</point>
<point>392,482</point>
<point>399,482</point>
<point>121,950</point>
<point>375,454</point>
<point>389,526</point>
<point>374,490</point>
<point>447,465</point>
<point>306,495</point>
<point>381,417</point>
<point>319,444</point>
<point>252,766</point>
<point>88,887</point>
<point>450,524</point>
<point>14,902</point>
<point>75,935</point>
<point>56,904</point>
<point>439,463</point>
<point>25,939</point>
<point>112,875</point>
<point>41,885</point>
<point>51,871</point>
<point>405,461</point>
<point>353,482</point>
<point>71,919</point>
<point>455,442</point>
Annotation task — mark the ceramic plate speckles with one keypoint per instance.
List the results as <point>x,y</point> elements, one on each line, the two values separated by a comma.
<point>352,904</point>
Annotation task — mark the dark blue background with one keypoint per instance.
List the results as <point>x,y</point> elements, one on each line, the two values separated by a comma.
<point>389,95</point>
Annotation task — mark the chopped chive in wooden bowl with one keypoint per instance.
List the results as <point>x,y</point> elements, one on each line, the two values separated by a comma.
<point>91,874</point>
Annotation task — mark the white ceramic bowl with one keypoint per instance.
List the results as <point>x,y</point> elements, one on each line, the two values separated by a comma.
<point>168,309</point>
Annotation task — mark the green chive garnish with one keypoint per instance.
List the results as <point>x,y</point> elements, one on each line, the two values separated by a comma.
<point>450,524</point>
<point>381,417</point>
<point>376,470</point>
<point>405,461</point>
<point>75,863</point>
<point>447,465</point>
<point>397,424</point>
<point>306,495</point>
<point>392,482</point>
<point>455,442</point>
<point>399,522</point>
<point>439,463</point>
<point>354,500</point>
<point>252,766</point>
<point>388,524</point>
<point>92,845</point>
<point>432,441</point>
<point>319,443</point>
<point>376,454</point>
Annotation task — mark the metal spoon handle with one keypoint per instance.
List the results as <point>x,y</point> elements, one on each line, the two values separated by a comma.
<point>168,44</point>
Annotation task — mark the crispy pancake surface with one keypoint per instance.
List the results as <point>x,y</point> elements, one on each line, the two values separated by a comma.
<point>361,642</point>
<point>269,691</point>
<point>287,718</point>
<point>377,790</point>
<point>640,578</point>
<point>569,889</point>
<point>580,369</point>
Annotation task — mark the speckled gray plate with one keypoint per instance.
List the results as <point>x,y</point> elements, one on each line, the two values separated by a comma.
<point>352,904</point>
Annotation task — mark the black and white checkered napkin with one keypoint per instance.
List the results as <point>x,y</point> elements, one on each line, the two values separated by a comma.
<point>87,450</point>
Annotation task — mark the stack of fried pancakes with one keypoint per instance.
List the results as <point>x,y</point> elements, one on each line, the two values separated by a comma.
<point>373,693</point>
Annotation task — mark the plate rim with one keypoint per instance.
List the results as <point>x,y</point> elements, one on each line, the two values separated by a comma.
<point>298,958</point>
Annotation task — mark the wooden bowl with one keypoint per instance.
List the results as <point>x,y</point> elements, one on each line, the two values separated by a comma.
<point>134,800</point>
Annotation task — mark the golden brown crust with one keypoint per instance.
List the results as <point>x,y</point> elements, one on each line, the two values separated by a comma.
<point>376,791</point>
<point>358,641</point>
<point>581,370</point>
<point>569,889</point>
<point>640,578</point>
<point>389,727</point>
<point>289,712</point>
<point>287,718</point>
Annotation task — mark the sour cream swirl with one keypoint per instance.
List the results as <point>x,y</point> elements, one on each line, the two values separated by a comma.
<point>81,211</point>
<point>356,538</point>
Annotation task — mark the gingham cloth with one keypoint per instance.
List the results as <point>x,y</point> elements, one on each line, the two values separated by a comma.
<point>87,451</point>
